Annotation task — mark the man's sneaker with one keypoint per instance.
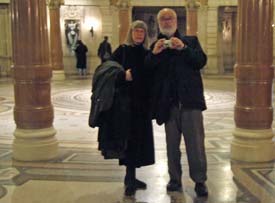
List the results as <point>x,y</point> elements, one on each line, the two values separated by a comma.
<point>130,190</point>
<point>201,190</point>
<point>140,184</point>
<point>174,187</point>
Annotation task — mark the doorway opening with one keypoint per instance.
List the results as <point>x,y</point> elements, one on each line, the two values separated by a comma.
<point>227,35</point>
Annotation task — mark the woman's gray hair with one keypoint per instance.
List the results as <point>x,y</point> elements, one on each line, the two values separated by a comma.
<point>134,25</point>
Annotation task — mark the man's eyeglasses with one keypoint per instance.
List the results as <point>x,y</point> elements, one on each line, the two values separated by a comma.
<point>167,19</point>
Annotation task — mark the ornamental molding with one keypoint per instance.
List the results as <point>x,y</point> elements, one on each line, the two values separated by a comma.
<point>192,4</point>
<point>55,4</point>
<point>73,12</point>
<point>123,4</point>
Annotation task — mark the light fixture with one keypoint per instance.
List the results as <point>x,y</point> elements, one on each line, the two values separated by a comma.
<point>92,31</point>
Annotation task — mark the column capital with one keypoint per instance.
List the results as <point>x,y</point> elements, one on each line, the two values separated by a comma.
<point>55,4</point>
<point>113,2</point>
<point>123,4</point>
<point>192,4</point>
<point>203,2</point>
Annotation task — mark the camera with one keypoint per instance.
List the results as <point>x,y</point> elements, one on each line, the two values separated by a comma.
<point>167,44</point>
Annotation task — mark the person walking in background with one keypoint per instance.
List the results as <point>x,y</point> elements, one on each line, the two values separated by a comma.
<point>104,50</point>
<point>178,99</point>
<point>135,81</point>
<point>81,57</point>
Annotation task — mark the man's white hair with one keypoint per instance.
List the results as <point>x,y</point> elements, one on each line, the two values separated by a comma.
<point>164,10</point>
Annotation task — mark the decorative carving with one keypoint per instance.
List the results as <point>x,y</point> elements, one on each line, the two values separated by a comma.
<point>123,4</point>
<point>192,4</point>
<point>73,12</point>
<point>55,4</point>
<point>72,29</point>
<point>113,2</point>
<point>203,2</point>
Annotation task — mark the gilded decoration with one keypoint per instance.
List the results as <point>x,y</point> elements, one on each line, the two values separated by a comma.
<point>123,4</point>
<point>192,4</point>
<point>55,4</point>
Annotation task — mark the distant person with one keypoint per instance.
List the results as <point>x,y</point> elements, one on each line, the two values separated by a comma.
<point>104,51</point>
<point>81,58</point>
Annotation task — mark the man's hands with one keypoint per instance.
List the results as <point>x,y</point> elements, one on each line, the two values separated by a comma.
<point>176,43</point>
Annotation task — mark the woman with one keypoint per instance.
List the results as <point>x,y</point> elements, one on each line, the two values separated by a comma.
<point>135,79</point>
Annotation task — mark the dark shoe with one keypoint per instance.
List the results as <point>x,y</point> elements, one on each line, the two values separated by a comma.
<point>201,190</point>
<point>140,184</point>
<point>174,187</point>
<point>130,190</point>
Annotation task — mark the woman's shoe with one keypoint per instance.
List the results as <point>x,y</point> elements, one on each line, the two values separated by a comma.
<point>140,184</point>
<point>130,190</point>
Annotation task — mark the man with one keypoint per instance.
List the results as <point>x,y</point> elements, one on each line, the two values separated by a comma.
<point>104,51</point>
<point>178,99</point>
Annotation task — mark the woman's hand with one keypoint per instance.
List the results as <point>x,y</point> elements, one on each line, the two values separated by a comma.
<point>128,75</point>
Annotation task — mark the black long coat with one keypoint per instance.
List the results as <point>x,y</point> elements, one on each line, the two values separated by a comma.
<point>81,58</point>
<point>140,150</point>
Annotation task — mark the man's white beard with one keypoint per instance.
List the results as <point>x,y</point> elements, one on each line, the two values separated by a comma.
<point>168,32</point>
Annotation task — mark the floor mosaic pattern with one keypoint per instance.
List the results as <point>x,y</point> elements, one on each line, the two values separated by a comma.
<point>80,175</point>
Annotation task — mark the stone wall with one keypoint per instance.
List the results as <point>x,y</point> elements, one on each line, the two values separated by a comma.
<point>106,16</point>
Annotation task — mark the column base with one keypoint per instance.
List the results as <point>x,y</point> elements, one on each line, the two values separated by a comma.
<point>253,145</point>
<point>35,144</point>
<point>58,75</point>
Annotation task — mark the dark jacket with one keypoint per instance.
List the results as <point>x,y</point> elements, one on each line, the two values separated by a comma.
<point>177,77</point>
<point>109,104</point>
<point>104,50</point>
<point>81,58</point>
<point>140,150</point>
<point>103,89</point>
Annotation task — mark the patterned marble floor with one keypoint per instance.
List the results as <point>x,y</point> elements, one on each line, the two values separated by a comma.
<point>80,175</point>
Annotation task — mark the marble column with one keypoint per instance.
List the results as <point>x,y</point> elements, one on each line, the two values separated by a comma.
<point>253,135</point>
<point>192,17</point>
<point>124,19</point>
<point>33,111</point>
<point>56,52</point>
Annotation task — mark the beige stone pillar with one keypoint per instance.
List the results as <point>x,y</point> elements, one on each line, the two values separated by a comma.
<point>124,19</point>
<point>254,74</point>
<point>33,111</point>
<point>202,25</point>
<point>55,39</point>
<point>192,17</point>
